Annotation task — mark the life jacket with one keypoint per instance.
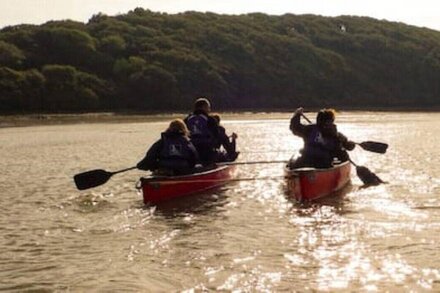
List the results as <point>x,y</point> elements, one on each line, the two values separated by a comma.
<point>318,148</point>
<point>199,132</point>
<point>316,139</point>
<point>176,151</point>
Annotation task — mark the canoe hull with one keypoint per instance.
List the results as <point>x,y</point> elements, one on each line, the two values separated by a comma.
<point>307,184</point>
<point>162,188</point>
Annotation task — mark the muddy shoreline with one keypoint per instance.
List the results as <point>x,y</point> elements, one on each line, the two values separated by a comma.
<point>129,117</point>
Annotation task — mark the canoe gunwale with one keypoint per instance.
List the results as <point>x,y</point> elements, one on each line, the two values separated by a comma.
<point>153,179</point>
<point>311,183</point>
<point>160,188</point>
<point>306,170</point>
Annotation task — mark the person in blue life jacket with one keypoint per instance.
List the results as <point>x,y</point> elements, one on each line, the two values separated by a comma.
<point>204,131</point>
<point>173,153</point>
<point>323,144</point>
<point>229,152</point>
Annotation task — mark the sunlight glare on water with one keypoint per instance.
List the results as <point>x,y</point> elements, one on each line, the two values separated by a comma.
<point>246,236</point>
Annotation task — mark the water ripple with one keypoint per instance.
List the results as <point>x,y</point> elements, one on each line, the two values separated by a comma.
<point>247,236</point>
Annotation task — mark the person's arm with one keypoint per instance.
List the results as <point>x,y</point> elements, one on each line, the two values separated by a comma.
<point>225,142</point>
<point>295,123</point>
<point>195,159</point>
<point>149,162</point>
<point>346,144</point>
<point>212,126</point>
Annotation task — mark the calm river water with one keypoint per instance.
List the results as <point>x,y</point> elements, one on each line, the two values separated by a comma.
<point>247,236</point>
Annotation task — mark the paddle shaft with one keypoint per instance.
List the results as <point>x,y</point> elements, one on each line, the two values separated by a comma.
<point>123,170</point>
<point>252,162</point>
<point>354,164</point>
<point>307,119</point>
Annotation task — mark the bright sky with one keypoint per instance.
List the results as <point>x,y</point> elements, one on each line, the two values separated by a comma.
<point>420,13</point>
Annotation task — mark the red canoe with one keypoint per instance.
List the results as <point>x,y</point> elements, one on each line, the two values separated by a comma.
<point>310,183</point>
<point>160,188</point>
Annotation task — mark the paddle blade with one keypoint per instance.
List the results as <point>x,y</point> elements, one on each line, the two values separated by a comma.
<point>373,146</point>
<point>367,177</point>
<point>91,178</point>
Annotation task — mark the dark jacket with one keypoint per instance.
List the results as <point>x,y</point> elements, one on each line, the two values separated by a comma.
<point>173,151</point>
<point>204,134</point>
<point>208,130</point>
<point>321,145</point>
<point>228,144</point>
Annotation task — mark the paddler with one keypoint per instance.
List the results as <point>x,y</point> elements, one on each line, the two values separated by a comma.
<point>323,144</point>
<point>205,133</point>
<point>228,143</point>
<point>173,153</point>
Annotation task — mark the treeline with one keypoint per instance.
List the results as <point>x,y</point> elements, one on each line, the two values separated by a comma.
<point>147,61</point>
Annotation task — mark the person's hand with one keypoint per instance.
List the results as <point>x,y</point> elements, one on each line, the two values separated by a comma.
<point>234,135</point>
<point>299,111</point>
<point>350,145</point>
<point>233,157</point>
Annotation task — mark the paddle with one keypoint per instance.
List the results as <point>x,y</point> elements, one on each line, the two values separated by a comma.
<point>252,162</point>
<point>98,177</point>
<point>364,174</point>
<point>372,146</point>
<point>95,178</point>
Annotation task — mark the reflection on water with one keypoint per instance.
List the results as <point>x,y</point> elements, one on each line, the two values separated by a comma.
<point>246,236</point>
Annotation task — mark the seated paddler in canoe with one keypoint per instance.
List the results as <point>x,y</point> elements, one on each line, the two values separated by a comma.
<point>208,136</point>
<point>225,145</point>
<point>192,145</point>
<point>173,153</point>
<point>323,144</point>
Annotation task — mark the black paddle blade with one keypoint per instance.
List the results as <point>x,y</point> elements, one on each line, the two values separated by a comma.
<point>367,177</point>
<point>91,178</point>
<point>373,146</point>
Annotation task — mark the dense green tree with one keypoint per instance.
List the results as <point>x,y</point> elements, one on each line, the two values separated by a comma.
<point>32,88</point>
<point>10,55</point>
<point>68,89</point>
<point>64,46</point>
<point>113,45</point>
<point>20,91</point>
<point>153,88</point>
<point>144,60</point>
<point>123,68</point>
<point>10,90</point>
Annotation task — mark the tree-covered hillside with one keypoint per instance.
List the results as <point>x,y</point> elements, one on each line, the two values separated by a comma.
<point>146,61</point>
